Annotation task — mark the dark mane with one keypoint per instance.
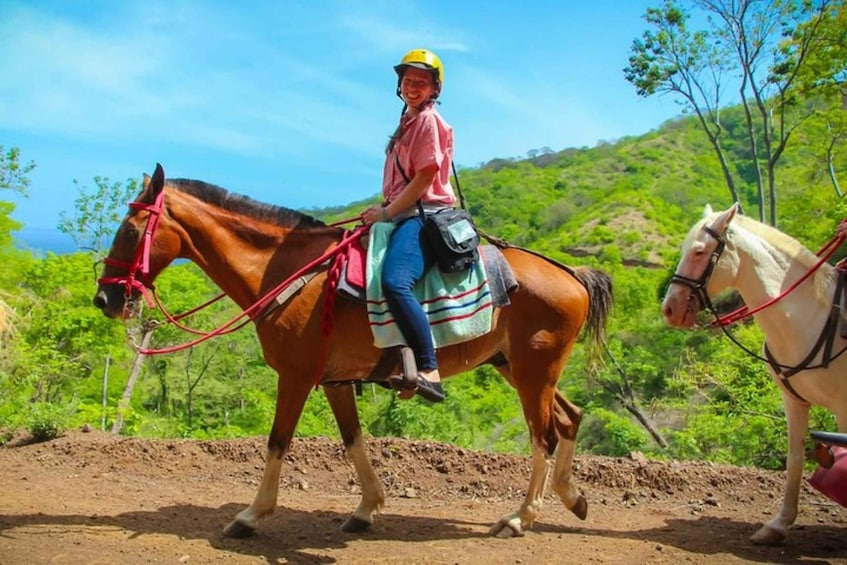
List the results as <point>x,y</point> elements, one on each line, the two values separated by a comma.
<point>245,205</point>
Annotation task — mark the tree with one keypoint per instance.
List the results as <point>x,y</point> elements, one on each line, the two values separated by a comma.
<point>621,389</point>
<point>14,175</point>
<point>96,218</point>
<point>673,60</point>
<point>135,371</point>
<point>97,213</point>
<point>744,39</point>
<point>825,76</point>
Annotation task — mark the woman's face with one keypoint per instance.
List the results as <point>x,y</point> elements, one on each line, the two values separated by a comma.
<point>416,87</point>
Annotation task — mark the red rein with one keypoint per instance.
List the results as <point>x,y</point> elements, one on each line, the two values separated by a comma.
<point>737,315</point>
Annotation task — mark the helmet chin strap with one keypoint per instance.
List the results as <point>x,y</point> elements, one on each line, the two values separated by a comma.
<point>431,101</point>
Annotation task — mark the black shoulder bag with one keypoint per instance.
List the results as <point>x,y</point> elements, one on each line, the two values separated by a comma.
<point>451,232</point>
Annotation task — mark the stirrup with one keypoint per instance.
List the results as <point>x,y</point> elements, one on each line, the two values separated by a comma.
<point>408,380</point>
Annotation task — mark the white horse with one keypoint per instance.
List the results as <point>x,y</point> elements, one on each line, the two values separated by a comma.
<point>802,344</point>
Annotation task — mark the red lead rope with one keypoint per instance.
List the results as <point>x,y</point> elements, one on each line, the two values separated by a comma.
<point>737,315</point>
<point>255,309</point>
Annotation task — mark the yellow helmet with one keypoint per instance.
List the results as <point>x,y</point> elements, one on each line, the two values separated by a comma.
<point>421,59</point>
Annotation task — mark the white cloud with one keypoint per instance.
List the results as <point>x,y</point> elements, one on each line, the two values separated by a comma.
<point>398,34</point>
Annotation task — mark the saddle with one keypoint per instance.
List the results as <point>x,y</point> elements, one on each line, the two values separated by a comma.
<point>352,283</point>
<point>396,367</point>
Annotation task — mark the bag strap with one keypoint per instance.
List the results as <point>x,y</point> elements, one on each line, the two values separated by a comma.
<point>400,168</point>
<point>455,177</point>
<point>406,178</point>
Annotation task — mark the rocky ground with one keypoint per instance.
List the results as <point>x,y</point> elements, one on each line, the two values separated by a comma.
<point>94,498</point>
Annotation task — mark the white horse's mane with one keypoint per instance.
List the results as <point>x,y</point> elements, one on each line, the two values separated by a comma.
<point>794,249</point>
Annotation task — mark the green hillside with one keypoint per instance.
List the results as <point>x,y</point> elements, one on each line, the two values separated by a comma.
<point>623,206</point>
<point>637,196</point>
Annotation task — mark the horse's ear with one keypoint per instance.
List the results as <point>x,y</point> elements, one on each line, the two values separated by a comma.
<point>707,211</point>
<point>736,206</point>
<point>158,180</point>
<point>722,221</point>
<point>153,185</point>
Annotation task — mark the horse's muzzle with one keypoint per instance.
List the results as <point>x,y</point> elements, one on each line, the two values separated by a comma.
<point>680,309</point>
<point>111,301</point>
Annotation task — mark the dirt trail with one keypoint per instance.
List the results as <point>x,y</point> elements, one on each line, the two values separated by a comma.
<point>93,498</point>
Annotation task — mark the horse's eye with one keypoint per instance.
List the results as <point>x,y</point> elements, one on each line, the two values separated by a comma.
<point>130,233</point>
<point>698,249</point>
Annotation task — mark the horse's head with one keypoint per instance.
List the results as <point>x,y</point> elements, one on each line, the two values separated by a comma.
<point>140,251</point>
<point>701,273</point>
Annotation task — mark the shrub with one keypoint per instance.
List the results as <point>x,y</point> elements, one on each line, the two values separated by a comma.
<point>607,433</point>
<point>46,421</point>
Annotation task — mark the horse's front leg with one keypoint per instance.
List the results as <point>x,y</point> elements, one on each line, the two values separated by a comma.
<point>291,396</point>
<point>343,403</point>
<point>774,531</point>
<point>567,419</point>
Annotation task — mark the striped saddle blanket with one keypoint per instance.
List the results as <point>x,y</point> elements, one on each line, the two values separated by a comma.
<point>459,305</point>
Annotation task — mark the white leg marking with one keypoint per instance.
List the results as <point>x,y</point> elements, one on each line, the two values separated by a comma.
<point>515,523</point>
<point>265,501</point>
<point>373,495</point>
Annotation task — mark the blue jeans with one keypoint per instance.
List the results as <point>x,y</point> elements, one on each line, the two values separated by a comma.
<point>407,258</point>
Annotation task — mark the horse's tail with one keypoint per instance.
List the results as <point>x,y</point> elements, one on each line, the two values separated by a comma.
<point>599,287</point>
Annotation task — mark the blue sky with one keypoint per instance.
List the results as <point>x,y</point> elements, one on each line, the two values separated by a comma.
<point>291,102</point>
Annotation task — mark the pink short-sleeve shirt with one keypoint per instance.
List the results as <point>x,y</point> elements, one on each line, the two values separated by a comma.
<point>426,140</point>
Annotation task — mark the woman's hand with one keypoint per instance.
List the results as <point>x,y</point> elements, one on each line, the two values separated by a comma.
<point>373,215</point>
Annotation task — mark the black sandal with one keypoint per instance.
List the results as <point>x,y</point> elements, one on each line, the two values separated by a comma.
<point>429,390</point>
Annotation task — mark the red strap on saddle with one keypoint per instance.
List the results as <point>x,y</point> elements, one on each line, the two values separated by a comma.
<point>328,315</point>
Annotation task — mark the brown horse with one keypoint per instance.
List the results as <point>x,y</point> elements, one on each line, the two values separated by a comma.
<point>247,248</point>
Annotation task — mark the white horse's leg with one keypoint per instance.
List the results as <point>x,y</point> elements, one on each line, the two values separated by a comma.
<point>514,523</point>
<point>264,503</point>
<point>373,495</point>
<point>774,531</point>
<point>562,483</point>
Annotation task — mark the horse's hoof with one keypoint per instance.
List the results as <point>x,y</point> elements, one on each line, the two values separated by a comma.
<point>354,525</point>
<point>767,536</point>
<point>580,509</point>
<point>506,529</point>
<point>238,530</point>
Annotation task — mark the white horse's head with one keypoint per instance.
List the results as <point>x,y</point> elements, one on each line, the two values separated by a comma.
<point>708,265</point>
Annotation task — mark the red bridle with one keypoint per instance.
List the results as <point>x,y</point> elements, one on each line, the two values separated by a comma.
<point>140,264</point>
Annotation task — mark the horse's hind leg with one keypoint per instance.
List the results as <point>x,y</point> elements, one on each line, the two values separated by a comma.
<point>515,523</point>
<point>343,404</point>
<point>550,417</point>
<point>289,406</point>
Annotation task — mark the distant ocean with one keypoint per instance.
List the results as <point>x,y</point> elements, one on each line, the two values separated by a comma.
<point>41,240</point>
